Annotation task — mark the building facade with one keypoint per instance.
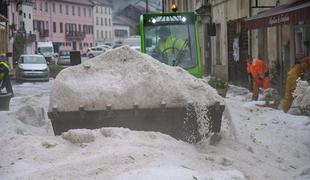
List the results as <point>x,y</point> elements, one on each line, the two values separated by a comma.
<point>121,30</point>
<point>103,26</point>
<point>67,23</point>
<point>20,21</point>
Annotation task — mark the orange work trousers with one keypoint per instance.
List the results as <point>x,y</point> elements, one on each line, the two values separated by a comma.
<point>260,83</point>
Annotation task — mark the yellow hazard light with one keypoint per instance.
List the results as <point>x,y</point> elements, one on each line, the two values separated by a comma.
<point>174,7</point>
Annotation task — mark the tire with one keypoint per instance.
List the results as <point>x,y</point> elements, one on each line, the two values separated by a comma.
<point>91,56</point>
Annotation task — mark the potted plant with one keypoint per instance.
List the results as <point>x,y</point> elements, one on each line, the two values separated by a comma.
<point>219,84</point>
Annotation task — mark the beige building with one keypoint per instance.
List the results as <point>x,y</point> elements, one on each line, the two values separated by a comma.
<point>103,25</point>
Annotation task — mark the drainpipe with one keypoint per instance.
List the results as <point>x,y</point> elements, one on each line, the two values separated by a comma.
<point>250,33</point>
<point>162,6</point>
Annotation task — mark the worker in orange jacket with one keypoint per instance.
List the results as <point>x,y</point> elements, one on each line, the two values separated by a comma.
<point>293,74</point>
<point>259,73</point>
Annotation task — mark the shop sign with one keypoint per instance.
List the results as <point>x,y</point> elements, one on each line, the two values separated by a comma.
<point>280,19</point>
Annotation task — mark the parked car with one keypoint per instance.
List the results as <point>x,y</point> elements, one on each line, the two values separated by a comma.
<point>117,45</point>
<point>95,51</point>
<point>64,58</point>
<point>32,68</point>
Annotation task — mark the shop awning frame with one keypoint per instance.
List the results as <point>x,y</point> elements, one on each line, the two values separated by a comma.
<point>283,14</point>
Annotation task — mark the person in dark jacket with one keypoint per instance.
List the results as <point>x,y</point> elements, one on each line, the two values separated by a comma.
<point>5,81</point>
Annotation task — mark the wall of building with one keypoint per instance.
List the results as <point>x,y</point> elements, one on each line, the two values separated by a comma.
<point>60,12</point>
<point>27,17</point>
<point>103,26</point>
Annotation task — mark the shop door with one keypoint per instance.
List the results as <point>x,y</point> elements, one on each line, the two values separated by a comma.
<point>237,52</point>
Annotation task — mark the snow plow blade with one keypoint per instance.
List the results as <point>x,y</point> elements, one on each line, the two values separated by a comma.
<point>178,122</point>
<point>5,99</point>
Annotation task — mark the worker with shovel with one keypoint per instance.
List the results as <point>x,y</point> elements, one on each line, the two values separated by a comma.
<point>259,74</point>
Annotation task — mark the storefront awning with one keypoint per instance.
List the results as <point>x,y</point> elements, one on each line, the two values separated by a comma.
<point>283,14</point>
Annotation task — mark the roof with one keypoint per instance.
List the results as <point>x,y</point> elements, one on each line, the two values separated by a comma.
<point>82,2</point>
<point>122,20</point>
<point>103,2</point>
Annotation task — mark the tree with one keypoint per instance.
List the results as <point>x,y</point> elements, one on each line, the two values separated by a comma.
<point>18,46</point>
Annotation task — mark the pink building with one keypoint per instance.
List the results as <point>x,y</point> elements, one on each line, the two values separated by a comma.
<point>67,23</point>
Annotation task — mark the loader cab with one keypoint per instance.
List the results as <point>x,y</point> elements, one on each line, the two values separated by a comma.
<point>180,47</point>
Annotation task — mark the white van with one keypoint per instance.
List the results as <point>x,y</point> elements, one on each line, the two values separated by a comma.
<point>47,50</point>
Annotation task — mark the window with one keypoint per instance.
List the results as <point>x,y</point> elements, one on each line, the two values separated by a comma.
<point>89,11</point>
<point>97,22</point>
<point>110,35</point>
<point>53,7</point>
<point>105,22</point>
<point>46,6</point>
<point>105,10</point>
<point>84,11</point>
<point>35,5</point>
<point>79,28</point>
<point>97,34</point>
<point>29,16</point>
<point>46,25</point>
<point>106,34</point>
<point>67,9</point>
<point>96,9</point>
<point>101,21</point>
<point>34,25</point>
<point>101,11</point>
<point>121,33</point>
<point>60,8</point>
<point>79,11</point>
<point>24,15</point>
<point>109,22</point>
<point>54,27</point>
<point>101,34</point>
<point>73,10</point>
<point>60,27</point>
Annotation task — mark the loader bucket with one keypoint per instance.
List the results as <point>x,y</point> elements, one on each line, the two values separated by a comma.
<point>5,99</point>
<point>179,122</point>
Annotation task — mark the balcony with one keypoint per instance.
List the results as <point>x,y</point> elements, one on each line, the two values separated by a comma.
<point>31,37</point>
<point>75,36</point>
<point>43,33</point>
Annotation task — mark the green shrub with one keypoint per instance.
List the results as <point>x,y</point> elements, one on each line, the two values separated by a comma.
<point>54,69</point>
<point>217,83</point>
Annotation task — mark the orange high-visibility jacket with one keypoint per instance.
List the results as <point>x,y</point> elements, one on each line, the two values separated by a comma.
<point>258,68</point>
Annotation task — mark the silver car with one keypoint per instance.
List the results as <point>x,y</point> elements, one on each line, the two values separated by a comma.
<point>95,51</point>
<point>64,58</point>
<point>32,68</point>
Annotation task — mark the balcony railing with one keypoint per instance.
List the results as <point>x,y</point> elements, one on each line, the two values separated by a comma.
<point>31,37</point>
<point>75,36</point>
<point>44,33</point>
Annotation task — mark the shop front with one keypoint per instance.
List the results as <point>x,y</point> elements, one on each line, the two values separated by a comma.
<point>283,37</point>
